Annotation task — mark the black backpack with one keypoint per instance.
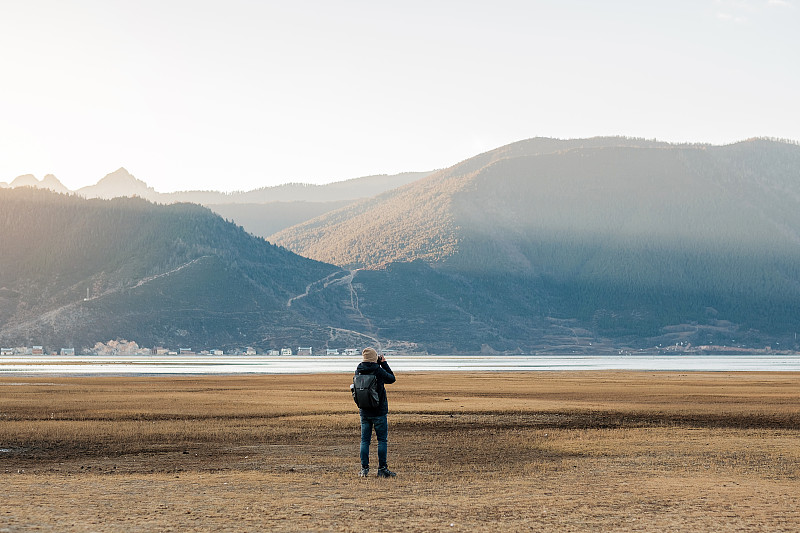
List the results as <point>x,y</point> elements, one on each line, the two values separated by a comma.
<point>365,391</point>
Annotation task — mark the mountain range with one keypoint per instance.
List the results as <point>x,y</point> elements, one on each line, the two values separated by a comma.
<point>75,271</point>
<point>629,238</point>
<point>49,182</point>
<point>581,246</point>
<point>260,211</point>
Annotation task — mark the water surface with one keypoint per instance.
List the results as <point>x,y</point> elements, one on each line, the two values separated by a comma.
<point>196,364</point>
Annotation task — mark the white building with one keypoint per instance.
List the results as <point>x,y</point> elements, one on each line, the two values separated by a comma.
<point>350,351</point>
<point>273,353</point>
<point>286,351</point>
<point>331,351</point>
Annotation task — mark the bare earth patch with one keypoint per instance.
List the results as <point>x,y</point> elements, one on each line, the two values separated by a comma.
<point>567,451</point>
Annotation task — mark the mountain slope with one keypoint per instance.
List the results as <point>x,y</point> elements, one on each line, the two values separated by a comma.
<point>632,240</point>
<point>74,272</point>
<point>617,188</point>
<point>416,221</point>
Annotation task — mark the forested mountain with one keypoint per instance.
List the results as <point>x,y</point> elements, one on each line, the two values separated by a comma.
<point>628,239</point>
<point>549,190</point>
<point>583,246</point>
<point>74,272</point>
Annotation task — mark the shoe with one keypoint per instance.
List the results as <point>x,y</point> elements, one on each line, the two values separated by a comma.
<point>364,472</point>
<point>385,472</point>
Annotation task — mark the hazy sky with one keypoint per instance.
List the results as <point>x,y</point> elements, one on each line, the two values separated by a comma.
<point>235,94</point>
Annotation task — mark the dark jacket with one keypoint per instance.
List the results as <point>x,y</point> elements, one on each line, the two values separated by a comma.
<point>385,375</point>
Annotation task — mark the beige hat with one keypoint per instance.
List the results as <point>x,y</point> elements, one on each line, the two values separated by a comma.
<point>369,355</point>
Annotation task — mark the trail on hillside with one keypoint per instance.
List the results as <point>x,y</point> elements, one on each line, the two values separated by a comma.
<point>174,270</point>
<point>336,279</point>
<point>322,284</point>
<point>75,308</point>
<point>332,337</point>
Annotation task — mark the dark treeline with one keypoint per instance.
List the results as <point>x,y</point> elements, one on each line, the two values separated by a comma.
<point>138,263</point>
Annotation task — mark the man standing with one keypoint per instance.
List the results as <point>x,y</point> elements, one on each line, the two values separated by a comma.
<point>372,363</point>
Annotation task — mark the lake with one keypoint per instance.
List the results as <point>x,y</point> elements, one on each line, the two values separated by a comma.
<point>197,364</point>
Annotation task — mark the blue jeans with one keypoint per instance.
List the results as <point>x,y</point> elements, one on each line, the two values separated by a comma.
<point>381,431</point>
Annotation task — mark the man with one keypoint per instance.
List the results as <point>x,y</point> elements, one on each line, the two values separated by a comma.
<point>375,419</point>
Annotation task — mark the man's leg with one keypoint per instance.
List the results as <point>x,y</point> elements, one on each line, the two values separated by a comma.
<point>382,432</point>
<point>366,437</point>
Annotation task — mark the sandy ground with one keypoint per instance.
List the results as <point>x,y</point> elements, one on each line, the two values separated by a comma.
<point>622,451</point>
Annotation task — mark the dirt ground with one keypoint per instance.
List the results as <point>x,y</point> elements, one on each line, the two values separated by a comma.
<point>565,451</point>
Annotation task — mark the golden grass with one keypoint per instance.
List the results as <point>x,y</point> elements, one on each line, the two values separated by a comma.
<point>571,451</point>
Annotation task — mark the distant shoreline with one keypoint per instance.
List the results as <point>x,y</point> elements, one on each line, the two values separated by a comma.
<point>242,365</point>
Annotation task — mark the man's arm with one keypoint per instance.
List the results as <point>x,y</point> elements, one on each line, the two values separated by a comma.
<point>385,372</point>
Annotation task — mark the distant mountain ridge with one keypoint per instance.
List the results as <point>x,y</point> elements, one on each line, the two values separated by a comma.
<point>118,184</point>
<point>49,182</point>
<point>121,184</point>
<point>260,211</point>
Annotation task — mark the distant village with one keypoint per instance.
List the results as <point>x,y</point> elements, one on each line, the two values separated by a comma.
<point>130,348</point>
<point>123,347</point>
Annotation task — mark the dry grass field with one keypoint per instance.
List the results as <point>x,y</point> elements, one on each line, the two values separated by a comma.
<point>564,451</point>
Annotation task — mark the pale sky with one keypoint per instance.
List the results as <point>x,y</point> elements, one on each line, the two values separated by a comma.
<point>236,94</point>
